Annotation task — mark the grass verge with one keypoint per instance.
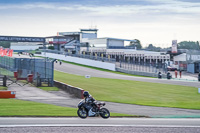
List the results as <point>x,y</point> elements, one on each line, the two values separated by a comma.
<point>3,88</point>
<point>13,107</point>
<point>101,69</point>
<point>6,72</point>
<point>49,88</point>
<point>135,92</point>
<point>105,70</point>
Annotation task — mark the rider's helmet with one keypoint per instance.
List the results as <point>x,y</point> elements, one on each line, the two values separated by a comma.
<point>85,93</point>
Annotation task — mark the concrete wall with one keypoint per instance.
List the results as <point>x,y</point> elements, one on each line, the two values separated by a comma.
<point>22,47</point>
<point>99,42</point>
<point>77,92</point>
<point>140,73</point>
<point>112,42</point>
<point>88,62</point>
<point>181,57</point>
<point>190,68</point>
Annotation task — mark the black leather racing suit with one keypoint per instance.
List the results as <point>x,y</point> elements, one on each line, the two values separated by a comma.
<point>91,102</point>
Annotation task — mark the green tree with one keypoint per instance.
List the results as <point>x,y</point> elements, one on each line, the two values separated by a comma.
<point>197,45</point>
<point>153,48</point>
<point>150,47</point>
<point>136,43</point>
<point>51,47</point>
<point>189,45</point>
<point>5,44</point>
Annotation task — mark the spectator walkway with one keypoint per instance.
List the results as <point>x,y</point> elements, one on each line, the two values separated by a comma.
<point>185,76</point>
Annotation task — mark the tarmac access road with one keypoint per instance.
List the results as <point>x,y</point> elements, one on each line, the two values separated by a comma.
<point>98,125</point>
<point>79,70</point>
<point>61,98</point>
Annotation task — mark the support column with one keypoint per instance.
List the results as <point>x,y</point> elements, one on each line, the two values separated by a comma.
<point>4,80</point>
<point>139,62</point>
<point>133,62</point>
<point>144,64</point>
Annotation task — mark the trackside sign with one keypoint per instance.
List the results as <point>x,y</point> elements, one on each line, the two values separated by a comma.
<point>6,52</point>
<point>22,39</point>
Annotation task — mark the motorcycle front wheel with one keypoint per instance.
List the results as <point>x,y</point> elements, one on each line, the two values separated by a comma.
<point>104,113</point>
<point>82,113</point>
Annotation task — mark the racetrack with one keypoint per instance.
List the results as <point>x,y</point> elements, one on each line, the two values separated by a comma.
<point>98,121</point>
<point>38,95</point>
<point>61,98</point>
<point>79,70</point>
<point>98,125</point>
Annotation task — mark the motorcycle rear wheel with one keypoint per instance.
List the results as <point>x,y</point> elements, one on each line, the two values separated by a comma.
<point>82,113</point>
<point>104,113</point>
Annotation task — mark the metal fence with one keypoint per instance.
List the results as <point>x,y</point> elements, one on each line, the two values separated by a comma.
<point>143,67</point>
<point>5,72</point>
<point>152,67</point>
<point>91,57</point>
<point>7,63</point>
<point>40,69</point>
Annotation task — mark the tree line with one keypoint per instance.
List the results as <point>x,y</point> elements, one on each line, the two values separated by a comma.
<point>5,44</point>
<point>137,44</point>
<point>191,45</point>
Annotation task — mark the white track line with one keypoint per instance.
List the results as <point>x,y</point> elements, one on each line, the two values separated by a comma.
<point>96,125</point>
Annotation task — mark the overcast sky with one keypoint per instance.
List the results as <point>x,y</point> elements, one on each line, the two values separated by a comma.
<point>154,22</point>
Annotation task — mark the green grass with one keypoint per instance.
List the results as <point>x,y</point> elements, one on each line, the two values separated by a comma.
<point>13,107</point>
<point>135,92</point>
<point>33,51</point>
<point>6,72</point>
<point>101,69</point>
<point>123,115</point>
<point>49,88</point>
<point>3,88</point>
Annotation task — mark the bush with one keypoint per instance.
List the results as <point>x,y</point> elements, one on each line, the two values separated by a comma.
<point>51,47</point>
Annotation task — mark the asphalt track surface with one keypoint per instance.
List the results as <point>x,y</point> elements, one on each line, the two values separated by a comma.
<point>99,125</point>
<point>60,98</point>
<point>63,99</point>
<point>78,70</point>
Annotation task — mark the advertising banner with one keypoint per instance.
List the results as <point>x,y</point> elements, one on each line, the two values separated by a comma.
<point>6,52</point>
<point>174,46</point>
<point>22,39</point>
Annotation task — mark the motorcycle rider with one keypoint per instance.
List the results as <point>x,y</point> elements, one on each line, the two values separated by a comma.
<point>88,97</point>
<point>90,101</point>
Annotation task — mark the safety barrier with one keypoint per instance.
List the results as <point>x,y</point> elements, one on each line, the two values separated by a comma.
<point>88,62</point>
<point>7,94</point>
<point>140,73</point>
<point>77,92</point>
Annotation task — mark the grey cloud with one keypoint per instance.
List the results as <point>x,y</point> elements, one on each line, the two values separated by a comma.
<point>191,1</point>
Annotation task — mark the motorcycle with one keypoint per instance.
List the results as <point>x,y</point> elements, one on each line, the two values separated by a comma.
<point>159,75</point>
<point>92,110</point>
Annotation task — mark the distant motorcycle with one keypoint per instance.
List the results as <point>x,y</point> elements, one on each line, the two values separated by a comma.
<point>85,110</point>
<point>169,76</point>
<point>159,75</point>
